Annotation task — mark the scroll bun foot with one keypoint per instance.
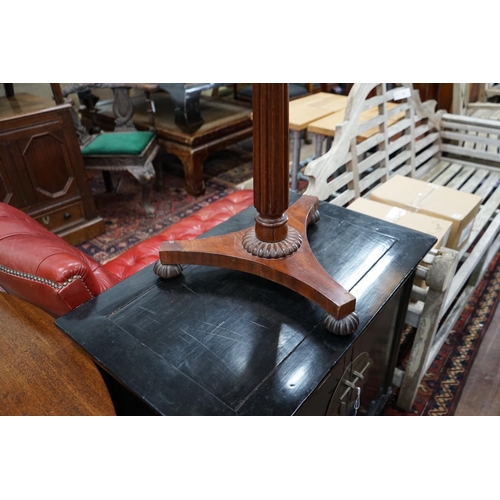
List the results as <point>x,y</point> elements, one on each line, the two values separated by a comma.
<point>344,326</point>
<point>167,271</point>
<point>314,217</point>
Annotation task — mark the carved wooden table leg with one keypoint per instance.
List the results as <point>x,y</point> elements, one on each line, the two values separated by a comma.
<point>192,163</point>
<point>276,248</point>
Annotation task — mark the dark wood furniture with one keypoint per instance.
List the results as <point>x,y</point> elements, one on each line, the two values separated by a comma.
<point>186,101</point>
<point>41,167</point>
<point>225,123</point>
<point>220,342</point>
<point>43,372</point>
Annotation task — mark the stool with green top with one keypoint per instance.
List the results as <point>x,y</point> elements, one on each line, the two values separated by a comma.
<point>124,149</point>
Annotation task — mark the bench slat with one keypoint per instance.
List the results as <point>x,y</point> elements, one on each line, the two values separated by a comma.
<point>474,181</point>
<point>448,174</point>
<point>344,198</point>
<point>486,211</point>
<point>462,275</point>
<point>424,169</point>
<point>488,185</point>
<point>461,178</point>
<point>432,174</point>
<point>491,126</point>
<point>428,153</point>
<point>473,153</point>
<point>482,139</point>
<point>370,161</point>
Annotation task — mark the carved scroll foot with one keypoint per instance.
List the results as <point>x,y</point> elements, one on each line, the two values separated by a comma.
<point>344,326</point>
<point>167,271</point>
<point>314,217</point>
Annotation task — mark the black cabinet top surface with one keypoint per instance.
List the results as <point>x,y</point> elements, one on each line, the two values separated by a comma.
<point>219,342</point>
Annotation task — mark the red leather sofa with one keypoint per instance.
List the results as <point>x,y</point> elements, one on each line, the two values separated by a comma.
<point>41,268</point>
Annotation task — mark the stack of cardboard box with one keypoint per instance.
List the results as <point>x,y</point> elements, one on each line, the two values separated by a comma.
<point>447,214</point>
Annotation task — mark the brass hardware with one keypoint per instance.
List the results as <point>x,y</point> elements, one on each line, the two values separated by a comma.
<point>351,382</point>
<point>46,219</point>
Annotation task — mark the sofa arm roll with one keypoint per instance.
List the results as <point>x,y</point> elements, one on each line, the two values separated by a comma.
<point>38,266</point>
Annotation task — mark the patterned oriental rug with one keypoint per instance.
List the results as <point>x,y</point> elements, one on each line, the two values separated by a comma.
<point>126,226</point>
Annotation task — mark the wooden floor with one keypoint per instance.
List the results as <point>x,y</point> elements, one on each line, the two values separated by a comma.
<point>481,394</point>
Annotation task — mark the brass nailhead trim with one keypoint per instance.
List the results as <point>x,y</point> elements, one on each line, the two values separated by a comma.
<point>32,277</point>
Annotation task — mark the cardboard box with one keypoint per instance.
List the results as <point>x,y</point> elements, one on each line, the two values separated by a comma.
<point>426,224</point>
<point>430,199</point>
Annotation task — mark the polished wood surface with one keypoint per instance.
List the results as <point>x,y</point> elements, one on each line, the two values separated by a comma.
<point>42,371</point>
<point>223,342</point>
<point>307,109</point>
<point>299,271</point>
<point>481,393</point>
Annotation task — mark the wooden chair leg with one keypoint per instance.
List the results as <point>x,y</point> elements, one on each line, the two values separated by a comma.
<point>108,181</point>
<point>146,176</point>
<point>157,165</point>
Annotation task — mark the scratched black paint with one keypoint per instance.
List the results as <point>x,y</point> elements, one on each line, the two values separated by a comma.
<point>220,342</point>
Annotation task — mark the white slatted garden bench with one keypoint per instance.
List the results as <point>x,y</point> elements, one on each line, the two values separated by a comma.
<point>456,151</point>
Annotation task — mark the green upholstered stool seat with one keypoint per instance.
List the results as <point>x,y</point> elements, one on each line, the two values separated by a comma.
<point>118,143</point>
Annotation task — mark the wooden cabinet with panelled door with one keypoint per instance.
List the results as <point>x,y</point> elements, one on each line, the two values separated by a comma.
<point>42,173</point>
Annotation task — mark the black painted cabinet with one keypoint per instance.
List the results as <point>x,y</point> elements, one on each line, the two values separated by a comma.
<point>220,342</point>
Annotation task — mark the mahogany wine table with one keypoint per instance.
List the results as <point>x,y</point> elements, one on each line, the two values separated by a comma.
<point>213,341</point>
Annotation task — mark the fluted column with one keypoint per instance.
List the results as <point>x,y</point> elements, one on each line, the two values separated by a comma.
<point>270,160</point>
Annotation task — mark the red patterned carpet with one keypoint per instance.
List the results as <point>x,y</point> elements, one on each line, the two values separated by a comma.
<point>442,385</point>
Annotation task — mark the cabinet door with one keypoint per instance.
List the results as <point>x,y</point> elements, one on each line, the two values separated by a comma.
<point>326,399</point>
<point>48,164</point>
<point>380,342</point>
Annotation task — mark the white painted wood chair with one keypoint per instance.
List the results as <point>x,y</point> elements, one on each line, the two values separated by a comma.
<point>434,147</point>
<point>480,108</point>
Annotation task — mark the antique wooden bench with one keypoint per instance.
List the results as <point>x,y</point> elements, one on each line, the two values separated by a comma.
<point>451,150</point>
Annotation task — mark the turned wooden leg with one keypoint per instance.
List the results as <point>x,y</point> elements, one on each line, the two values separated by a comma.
<point>146,176</point>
